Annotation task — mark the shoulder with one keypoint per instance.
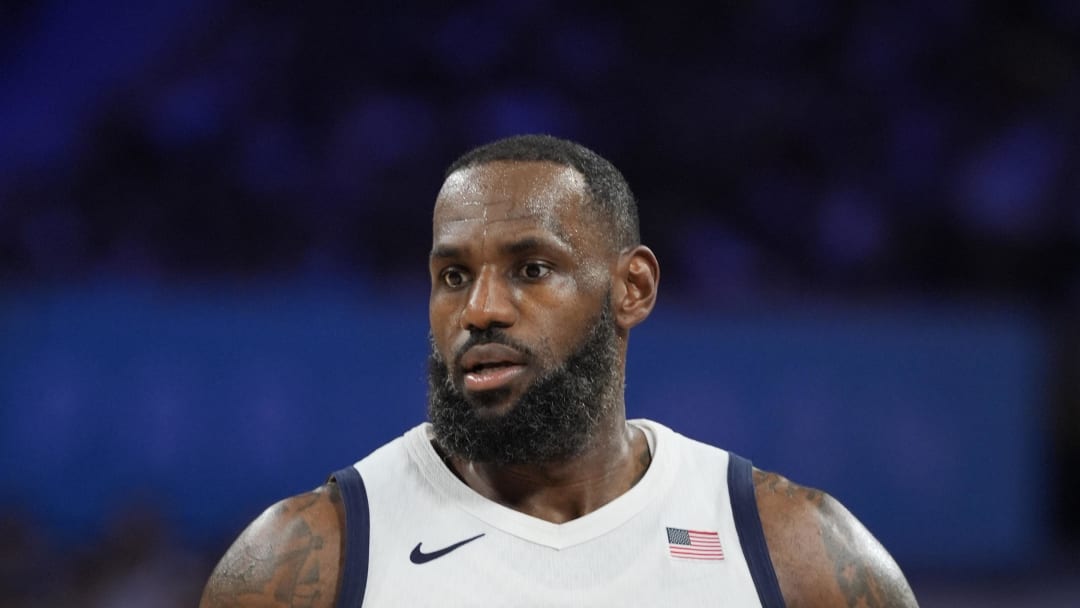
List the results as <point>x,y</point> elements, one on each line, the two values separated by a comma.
<point>289,556</point>
<point>822,554</point>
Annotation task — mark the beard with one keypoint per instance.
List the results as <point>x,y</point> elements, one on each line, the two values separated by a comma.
<point>555,418</point>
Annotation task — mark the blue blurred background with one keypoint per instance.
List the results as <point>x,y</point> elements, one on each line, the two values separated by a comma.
<point>214,221</point>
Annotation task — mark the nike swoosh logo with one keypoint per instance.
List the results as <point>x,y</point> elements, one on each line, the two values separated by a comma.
<point>419,557</point>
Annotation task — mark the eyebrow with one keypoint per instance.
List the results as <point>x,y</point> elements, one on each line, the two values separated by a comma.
<point>444,252</point>
<point>518,247</point>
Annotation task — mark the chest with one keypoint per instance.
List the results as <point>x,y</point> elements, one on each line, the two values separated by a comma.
<point>443,556</point>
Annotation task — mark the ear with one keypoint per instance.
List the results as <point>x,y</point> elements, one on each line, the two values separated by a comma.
<point>636,280</point>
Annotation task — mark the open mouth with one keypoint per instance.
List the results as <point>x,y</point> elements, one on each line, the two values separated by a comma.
<point>491,376</point>
<point>490,366</point>
<point>479,367</point>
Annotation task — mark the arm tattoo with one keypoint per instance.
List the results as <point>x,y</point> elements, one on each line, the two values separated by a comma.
<point>776,484</point>
<point>861,570</point>
<point>288,570</point>
<point>855,575</point>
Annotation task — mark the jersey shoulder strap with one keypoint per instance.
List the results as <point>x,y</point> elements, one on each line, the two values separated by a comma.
<point>357,529</point>
<point>751,535</point>
<point>743,505</point>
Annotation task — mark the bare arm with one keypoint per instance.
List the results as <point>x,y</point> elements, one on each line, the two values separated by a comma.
<point>822,555</point>
<point>290,556</point>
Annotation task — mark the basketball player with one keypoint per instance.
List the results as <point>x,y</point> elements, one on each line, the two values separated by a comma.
<point>529,486</point>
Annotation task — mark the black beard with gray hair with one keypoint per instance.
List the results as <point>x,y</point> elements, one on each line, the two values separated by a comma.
<point>556,417</point>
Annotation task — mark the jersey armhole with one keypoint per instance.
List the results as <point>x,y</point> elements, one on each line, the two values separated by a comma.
<point>354,564</point>
<point>751,534</point>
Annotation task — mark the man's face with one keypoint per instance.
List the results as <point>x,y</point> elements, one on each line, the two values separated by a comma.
<point>520,284</point>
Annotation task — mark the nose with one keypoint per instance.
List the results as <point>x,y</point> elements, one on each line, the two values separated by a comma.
<point>490,303</point>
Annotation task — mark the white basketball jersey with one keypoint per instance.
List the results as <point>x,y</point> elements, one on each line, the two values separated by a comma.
<point>671,540</point>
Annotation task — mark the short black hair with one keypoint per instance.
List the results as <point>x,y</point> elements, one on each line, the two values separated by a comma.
<point>608,192</point>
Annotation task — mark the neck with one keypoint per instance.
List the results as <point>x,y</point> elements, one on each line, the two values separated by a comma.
<point>561,491</point>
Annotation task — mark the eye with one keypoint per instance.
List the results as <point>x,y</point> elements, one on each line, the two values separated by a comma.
<point>534,270</point>
<point>453,277</point>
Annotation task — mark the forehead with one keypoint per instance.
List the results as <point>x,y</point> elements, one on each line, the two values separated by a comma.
<point>511,193</point>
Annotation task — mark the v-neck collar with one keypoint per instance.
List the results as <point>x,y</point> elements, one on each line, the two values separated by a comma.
<point>653,484</point>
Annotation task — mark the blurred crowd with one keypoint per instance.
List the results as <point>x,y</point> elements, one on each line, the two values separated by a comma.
<point>776,147</point>
<point>135,564</point>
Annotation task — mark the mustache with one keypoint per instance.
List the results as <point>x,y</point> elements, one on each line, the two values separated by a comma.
<point>491,335</point>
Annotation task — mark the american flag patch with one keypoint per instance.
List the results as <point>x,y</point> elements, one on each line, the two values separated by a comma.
<point>694,544</point>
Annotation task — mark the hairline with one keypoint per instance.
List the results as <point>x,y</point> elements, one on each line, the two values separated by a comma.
<point>588,204</point>
<point>606,189</point>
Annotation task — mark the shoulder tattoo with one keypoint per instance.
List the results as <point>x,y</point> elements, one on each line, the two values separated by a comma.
<point>819,539</point>
<point>280,560</point>
<point>765,481</point>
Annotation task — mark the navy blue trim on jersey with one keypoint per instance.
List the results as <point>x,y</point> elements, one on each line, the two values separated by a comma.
<point>357,529</point>
<point>751,534</point>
